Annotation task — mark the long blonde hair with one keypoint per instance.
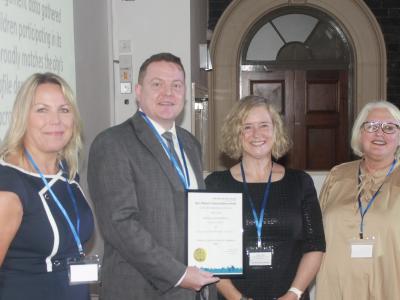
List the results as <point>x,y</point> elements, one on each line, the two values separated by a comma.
<point>13,142</point>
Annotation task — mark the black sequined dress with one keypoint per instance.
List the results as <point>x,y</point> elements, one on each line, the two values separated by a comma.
<point>292,226</point>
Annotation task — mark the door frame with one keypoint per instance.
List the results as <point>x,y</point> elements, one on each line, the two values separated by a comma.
<point>354,18</point>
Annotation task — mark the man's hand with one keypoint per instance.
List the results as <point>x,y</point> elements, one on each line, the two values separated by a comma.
<point>195,279</point>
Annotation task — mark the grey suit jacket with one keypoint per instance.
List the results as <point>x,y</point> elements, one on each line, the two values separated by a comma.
<point>139,204</point>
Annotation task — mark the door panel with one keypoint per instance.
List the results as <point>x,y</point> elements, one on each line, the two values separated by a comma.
<point>326,123</point>
<point>320,148</point>
<point>314,107</point>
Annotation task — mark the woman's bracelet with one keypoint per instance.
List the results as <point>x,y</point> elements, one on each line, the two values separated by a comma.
<point>296,291</point>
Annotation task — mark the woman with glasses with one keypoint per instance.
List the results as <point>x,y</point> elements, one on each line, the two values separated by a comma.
<point>283,234</point>
<point>360,202</point>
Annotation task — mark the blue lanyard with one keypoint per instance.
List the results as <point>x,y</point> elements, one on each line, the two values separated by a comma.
<point>363,212</point>
<point>74,203</point>
<point>258,220</point>
<point>184,179</point>
<point>75,231</point>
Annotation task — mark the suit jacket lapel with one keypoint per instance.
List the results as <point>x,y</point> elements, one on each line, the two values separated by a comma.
<point>146,136</point>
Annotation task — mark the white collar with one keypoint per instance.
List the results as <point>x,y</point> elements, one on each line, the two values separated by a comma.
<point>160,130</point>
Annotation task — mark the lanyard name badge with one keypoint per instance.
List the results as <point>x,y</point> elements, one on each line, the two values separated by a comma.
<point>181,173</point>
<point>363,247</point>
<point>259,255</point>
<point>82,269</point>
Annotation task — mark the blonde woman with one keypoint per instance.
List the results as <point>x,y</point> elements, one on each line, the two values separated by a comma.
<point>44,217</point>
<point>360,202</point>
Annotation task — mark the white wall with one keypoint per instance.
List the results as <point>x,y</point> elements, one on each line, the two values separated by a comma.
<point>152,26</point>
<point>198,35</point>
<point>92,78</point>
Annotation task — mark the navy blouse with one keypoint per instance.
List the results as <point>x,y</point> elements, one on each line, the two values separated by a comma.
<point>44,240</point>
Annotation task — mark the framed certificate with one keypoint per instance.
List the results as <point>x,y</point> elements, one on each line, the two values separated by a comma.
<point>215,232</point>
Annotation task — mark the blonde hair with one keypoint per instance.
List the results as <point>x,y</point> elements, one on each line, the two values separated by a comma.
<point>362,117</point>
<point>231,143</point>
<point>13,142</point>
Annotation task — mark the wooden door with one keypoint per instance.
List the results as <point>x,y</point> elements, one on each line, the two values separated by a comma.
<point>315,109</point>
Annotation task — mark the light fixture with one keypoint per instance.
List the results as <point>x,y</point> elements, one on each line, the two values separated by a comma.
<point>204,57</point>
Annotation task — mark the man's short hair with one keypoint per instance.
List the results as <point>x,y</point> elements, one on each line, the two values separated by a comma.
<point>164,56</point>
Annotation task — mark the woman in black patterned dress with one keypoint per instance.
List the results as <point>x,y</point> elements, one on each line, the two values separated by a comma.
<point>283,233</point>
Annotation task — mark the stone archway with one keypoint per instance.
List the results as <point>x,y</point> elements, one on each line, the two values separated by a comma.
<point>354,17</point>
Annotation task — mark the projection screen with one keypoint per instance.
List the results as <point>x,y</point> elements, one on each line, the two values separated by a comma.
<point>35,36</point>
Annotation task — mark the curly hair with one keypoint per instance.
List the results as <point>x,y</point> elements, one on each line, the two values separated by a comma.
<point>231,142</point>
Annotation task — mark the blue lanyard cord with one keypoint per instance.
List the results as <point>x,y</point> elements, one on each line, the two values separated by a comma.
<point>184,162</point>
<point>75,204</point>
<point>74,230</point>
<point>258,220</point>
<point>184,179</point>
<point>363,211</point>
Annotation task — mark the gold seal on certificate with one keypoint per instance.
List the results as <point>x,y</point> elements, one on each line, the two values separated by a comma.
<point>200,254</point>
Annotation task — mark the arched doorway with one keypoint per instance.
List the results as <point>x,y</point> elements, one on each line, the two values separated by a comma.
<point>353,17</point>
<point>300,60</point>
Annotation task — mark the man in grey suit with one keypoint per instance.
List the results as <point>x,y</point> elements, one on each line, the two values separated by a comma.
<point>137,181</point>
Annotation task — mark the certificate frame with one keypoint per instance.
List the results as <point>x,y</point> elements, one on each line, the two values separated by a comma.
<point>214,232</point>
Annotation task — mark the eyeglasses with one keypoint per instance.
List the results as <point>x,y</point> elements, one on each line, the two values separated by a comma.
<point>373,126</point>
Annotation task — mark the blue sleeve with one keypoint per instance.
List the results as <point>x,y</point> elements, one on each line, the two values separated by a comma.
<point>11,181</point>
